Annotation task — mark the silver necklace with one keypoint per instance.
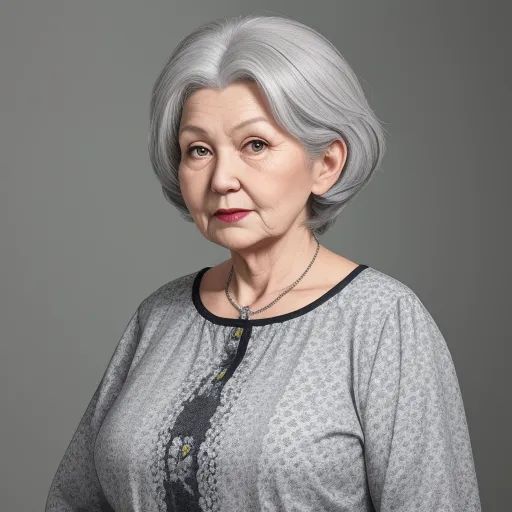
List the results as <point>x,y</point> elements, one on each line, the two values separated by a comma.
<point>245,311</point>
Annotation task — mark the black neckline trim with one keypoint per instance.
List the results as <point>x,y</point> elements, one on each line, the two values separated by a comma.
<point>238,322</point>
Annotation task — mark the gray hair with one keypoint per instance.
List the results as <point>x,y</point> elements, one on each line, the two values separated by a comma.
<point>311,91</point>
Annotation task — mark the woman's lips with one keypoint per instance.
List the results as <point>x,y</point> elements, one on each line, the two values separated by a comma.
<point>232,217</point>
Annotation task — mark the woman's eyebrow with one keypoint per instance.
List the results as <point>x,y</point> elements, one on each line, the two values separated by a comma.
<point>198,129</point>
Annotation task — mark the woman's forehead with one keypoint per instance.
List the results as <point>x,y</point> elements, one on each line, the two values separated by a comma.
<point>238,99</point>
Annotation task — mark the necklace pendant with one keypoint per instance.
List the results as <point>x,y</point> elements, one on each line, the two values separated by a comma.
<point>245,312</point>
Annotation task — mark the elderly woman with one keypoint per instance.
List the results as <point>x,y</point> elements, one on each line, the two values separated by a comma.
<point>287,378</point>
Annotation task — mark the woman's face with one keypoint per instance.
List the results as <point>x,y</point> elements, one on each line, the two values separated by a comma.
<point>257,167</point>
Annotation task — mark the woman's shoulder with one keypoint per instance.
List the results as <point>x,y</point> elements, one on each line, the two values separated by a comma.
<point>362,286</point>
<point>382,283</point>
<point>383,308</point>
<point>375,292</point>
<point>162,297</point>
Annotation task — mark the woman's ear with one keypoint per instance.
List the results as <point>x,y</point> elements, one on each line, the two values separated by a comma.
<point>329,166</point>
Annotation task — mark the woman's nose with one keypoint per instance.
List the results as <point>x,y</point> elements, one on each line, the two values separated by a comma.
<point>225,172</point>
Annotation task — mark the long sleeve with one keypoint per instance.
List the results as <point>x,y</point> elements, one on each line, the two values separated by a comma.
<point>75,486</point>
<point>417,446</point>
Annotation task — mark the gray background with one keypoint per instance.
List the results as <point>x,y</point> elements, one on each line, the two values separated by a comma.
<point>86,233</point>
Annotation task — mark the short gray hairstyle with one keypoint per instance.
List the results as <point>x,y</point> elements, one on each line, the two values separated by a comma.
<point>311,91</point>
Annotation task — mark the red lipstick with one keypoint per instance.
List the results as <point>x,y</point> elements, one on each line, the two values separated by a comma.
<point>231,214</point>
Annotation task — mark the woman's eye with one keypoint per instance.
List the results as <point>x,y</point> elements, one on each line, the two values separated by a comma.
<point>195,147</point>
<point>259,141</point>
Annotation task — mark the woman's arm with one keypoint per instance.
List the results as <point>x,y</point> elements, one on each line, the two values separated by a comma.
<point>417,446</point>
<point>75,486</point>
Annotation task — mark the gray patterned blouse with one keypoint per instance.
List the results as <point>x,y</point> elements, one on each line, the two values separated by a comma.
<point>350,403</point>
